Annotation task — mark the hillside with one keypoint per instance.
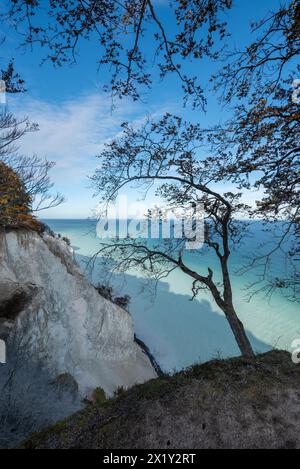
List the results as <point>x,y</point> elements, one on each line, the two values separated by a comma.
<point>236,403</point>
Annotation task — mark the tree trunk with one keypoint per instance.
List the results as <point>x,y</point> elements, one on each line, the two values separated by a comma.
<point>236,325</point>
<point>239,332</point>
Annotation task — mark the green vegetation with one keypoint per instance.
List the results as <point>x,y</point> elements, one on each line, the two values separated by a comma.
<point>98,396</point>
<point>252,398</point>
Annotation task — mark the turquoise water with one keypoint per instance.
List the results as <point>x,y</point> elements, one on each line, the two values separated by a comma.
<point>179,331</point>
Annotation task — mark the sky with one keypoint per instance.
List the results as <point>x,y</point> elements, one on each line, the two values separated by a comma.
<point>75,116</point>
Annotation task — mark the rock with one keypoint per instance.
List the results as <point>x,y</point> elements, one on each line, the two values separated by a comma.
<point>15,297</point>
<point>6,327</point>
<point>60,318</point>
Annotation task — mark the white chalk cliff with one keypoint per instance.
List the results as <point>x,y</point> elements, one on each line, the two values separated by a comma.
<point>61,318</point>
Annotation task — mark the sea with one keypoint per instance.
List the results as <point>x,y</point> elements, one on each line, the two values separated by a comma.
<point>179,330</point>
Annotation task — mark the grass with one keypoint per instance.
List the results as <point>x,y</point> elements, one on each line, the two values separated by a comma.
<point>198,397</point>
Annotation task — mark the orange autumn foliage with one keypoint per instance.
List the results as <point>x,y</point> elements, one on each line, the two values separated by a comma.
<point>15,202</point>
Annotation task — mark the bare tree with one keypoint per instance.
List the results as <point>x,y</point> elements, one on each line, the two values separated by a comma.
<point>33,171</point>
<point>167,153</point>
<point>121,28</point>
<point>14,83</point>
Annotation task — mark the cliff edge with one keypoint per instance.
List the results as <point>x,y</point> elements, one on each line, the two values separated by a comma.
<point>52,315</point>
<point>236,403</point>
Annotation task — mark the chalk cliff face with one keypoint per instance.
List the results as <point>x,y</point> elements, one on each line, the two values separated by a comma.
<point>61,320</point>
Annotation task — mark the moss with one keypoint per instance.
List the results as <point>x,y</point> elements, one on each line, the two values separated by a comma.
<point>81,421</point>
<point>154,388</point>
<point>104,429</point>
<point>57,429</point>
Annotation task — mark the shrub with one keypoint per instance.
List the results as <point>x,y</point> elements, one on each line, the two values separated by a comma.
<point>107,292</point>
<point>44,228</point>
<point>122,301</point>
<point>15,202</point>
<point>98,396</point>
<point>66,240</point>
<point>120,391</point>
<point>65,383</point>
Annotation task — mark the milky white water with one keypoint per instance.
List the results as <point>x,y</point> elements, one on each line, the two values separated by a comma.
<point>179,331</point>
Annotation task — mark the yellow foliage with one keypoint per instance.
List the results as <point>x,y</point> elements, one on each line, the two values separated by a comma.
<point>15,202</point>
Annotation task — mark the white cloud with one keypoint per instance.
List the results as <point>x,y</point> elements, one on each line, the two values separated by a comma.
<point>72,131</point>
<point>71,134</point>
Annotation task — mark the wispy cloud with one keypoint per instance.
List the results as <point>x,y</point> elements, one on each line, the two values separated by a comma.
<point>71,134</point>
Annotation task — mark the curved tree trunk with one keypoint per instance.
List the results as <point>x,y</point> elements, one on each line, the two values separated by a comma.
<point>235,323</point>
<point>237,327</point>
<point>239,332</point>
<point>225,303</point>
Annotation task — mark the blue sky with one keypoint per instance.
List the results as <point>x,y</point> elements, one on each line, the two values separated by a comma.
<point>75,116</point>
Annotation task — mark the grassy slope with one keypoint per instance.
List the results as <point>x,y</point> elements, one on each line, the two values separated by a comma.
<point>234,403</point>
